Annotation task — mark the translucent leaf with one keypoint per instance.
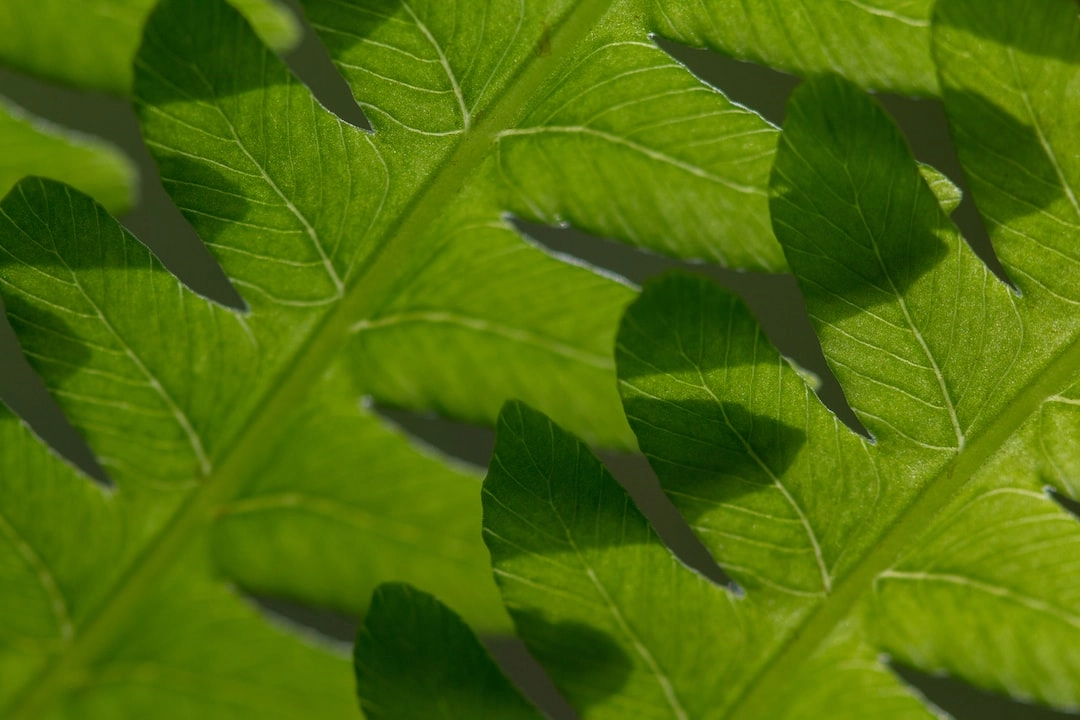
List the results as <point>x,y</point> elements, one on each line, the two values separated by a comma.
<point>30,146</point>
<point>936,541</point>
<point>450,657</point>
<point>879,44</point>
<point>91,43</point>
<point>339,479</point>
<point>376,264</point>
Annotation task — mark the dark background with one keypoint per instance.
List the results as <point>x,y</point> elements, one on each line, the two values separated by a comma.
<point>773,298</point>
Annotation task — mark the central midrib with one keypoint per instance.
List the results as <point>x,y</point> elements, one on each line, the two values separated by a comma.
<point>377,273</point>
<point>900,536</point>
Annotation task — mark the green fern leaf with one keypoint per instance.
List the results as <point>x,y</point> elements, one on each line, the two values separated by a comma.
<point>879,44</point>
<point>936,541</point>
<point>30,146</point>
<point>469,685</point>
<point>91,44</point>
<point>379,264</point>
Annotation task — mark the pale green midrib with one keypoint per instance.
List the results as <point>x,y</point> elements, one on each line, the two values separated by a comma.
<point>296,378</point>
<point>901,534</point>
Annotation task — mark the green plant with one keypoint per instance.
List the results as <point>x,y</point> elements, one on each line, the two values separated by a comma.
<point>234,440</point>
<point>372,264</point>
<point>31,147</point>
<point>936,541</point>
<point>88,45</point>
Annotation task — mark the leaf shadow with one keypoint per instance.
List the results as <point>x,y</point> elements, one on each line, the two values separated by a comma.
<point>32,329</point>
<point>585,664</point>
<point>43,335</point>
<point>54,227</point>
<point>713,453</point>
<point>1023,31</point>
<point>1035,184</point>
<point>723,468</point>
<point>178,62</point>
<point>703,390</point>
<point>565,503</point>
<point>847,263</point>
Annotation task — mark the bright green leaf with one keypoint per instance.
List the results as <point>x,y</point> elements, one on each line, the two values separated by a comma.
<point>945,190</point>
<point>91,43</point>
<point>621,625</point>
<point>341,479</point>
<point>387,258</point>
<point>879,243</point>
<point>574,136</point>
<point>443,284</point>
<point>942,362</point>
<point>936,541</point>
<point>154,415</point>
<point>30,146</point>
<point>879,44</point>
<point>63,545</point>
<point>1011,86</point>
<point>57,548</point>
<point>593,592</point>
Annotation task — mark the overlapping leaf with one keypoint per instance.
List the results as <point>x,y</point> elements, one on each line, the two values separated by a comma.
<point>935,542</point>
<point>467,685</point>
<point>29,146</point>
<point>238,449</point>
<point>91,44</point>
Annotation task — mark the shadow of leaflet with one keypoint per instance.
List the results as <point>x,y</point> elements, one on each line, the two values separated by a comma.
<point>1013,168</point>
<point>54,230</point>
<point>191,64</point>
<point>701,391</point>
<point>707,452</point>
<point>583,662</point>
<point>1024,31</point>
<point>541,477</point>
<point>726,423</point>
<point>723,468</point>
<point>26,394</point>
<point>858,223</point>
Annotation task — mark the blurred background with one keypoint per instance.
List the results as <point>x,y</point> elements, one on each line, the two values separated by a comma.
<point>773,298</point>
